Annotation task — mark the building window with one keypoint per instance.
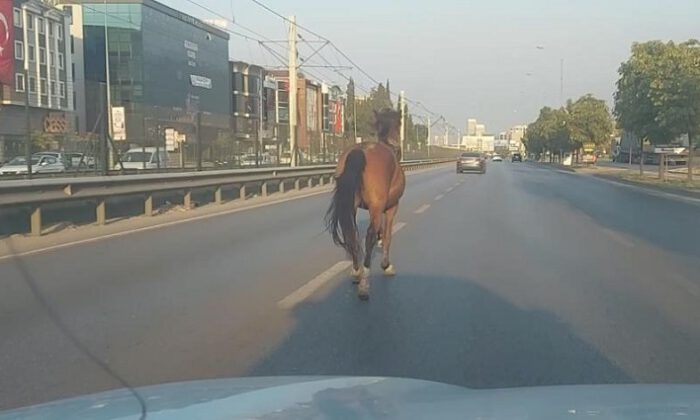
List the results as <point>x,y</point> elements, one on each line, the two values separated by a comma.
<point>19,82</point>
<point>52,59</point>
<point>61,61</point>
<point>59,31</point>
<point>40,24</point>
<point>72,44</point>
<point>30,49</point>
<point>62,89</point>
<point>42,55</point>
<point>19,50</point>
<point>32,84</point>
<point>53,88</point>
<point>42,86</point>
<point>51,30</point>
<point>30,21</point>
<point>18,17</point>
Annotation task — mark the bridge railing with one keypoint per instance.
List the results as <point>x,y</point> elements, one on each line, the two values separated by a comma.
<point>38,193</point>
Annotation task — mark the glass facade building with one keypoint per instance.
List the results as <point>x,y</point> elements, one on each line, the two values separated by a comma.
<point>168,70</point>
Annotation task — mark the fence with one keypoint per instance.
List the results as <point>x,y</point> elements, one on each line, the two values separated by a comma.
<point>99,190</point>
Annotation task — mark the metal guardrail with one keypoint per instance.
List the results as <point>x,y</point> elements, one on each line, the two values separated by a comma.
<point>36,193</point>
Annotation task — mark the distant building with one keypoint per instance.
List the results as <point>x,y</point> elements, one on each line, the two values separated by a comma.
<point>254,105</point>
<point>317,127</point>
<point>38,39</point>
<point>515,137</point>
<point>476,138</point>
<point>471,127</point>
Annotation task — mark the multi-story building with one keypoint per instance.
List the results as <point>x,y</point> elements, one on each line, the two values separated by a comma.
<point>476,138</point>
<point>35,64</point>
<point>167,71</point>
<point>254,105</point>
<point>333,114</point>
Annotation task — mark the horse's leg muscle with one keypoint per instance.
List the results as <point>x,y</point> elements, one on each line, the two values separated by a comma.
<point>388,234</point>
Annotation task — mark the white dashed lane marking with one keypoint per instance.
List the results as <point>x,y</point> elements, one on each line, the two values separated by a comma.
<point>422,208</point>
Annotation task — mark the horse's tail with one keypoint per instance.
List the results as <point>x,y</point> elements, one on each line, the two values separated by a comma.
<point>340,217</point>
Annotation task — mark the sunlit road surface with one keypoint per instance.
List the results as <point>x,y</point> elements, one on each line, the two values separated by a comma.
<point>523,276</point>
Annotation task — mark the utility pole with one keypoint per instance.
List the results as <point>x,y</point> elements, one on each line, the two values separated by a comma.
<point>403,122</point>
<point>354,117</point>
<point>427,142</point>
<point>259,140</point>
<point>293,90</point>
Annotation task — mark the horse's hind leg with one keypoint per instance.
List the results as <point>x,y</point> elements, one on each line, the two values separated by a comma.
<point>375,224</point>
<point>386,265</point>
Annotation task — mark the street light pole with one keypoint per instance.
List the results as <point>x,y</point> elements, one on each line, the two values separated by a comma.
<point>108,95</point>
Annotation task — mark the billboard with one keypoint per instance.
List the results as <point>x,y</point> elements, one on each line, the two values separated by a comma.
<point>118,123</point>
<point>7,42</point>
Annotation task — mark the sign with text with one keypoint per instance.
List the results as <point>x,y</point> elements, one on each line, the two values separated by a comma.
<point>118,123</point>
<point>200,81</point>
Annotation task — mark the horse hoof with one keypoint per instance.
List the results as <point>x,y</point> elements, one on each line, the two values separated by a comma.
<point>356,274</point>
<point>380,243</point>
<point>390,270</point>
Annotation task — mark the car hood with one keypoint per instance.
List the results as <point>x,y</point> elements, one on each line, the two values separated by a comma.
<point>370,398</point>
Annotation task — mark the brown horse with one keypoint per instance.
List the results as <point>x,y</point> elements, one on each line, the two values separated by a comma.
<point>368,176</point>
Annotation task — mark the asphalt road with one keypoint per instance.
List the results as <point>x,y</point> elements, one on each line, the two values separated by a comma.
<point>523,276</point>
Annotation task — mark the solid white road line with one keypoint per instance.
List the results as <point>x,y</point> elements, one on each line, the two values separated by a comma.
<point>439,197</point>
<point>422,208</point>
<point>313,285</point>
<point>158,226</point>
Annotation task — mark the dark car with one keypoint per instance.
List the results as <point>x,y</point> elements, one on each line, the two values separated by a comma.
<point>471,162</point>
<point>517,157</point>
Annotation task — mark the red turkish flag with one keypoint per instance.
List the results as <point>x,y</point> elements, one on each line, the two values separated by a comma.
<point>7,41</point>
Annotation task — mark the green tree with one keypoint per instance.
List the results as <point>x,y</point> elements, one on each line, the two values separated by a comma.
<point>675,92</point>
<point>635,109</point>
<point>589,121</point>
<point>350,110</point>
<point>549,133</point>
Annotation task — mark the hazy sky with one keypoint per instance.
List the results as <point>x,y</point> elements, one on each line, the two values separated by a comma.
<point>474,59</point>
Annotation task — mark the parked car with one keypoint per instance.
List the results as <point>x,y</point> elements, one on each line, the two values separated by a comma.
<point>80,160</point>
<point>471,162</point>
<point>145,158</point>
<point>41,164</point>
<point>517,157</point>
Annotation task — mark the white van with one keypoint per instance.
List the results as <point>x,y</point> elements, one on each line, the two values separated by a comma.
<point>145,158</point>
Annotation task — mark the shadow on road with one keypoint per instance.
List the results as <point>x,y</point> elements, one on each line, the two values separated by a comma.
<point>443,329</point>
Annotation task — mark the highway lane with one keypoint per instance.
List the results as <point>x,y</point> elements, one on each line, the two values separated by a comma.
<point>523,276</point>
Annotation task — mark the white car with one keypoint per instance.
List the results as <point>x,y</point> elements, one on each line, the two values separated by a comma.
<point>496,158</point>
<point>41,164</point>
<point>145,158</point>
